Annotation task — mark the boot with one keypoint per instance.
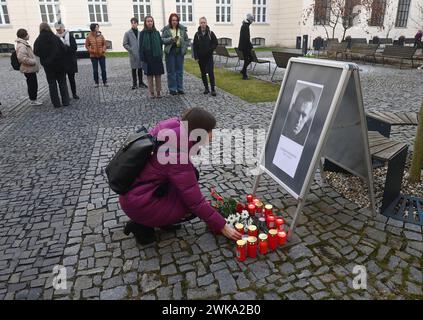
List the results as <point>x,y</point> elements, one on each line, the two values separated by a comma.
<point>143,234</point>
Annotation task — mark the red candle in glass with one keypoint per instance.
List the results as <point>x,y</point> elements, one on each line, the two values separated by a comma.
<point>279,224</point>
<point>268,209</point>
<point>252,231</point>
<point>239,227</point>
<point>270,220</point>
<point>252,209</point>
<point>241,250</point>
<point>250,198</point>
<point>273,239</point>
<point>259,207</point>
<point>281,238</point>
<point>252,247</point>
<point>262,243</point>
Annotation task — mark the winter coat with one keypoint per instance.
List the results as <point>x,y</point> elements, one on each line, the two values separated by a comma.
<point>71,61</point>
<point>167,38</point>
<point>51,51</point>
<point>245,44</point>
<point>95,45</point>
<point>131,44</point>
<point>152,66</point>
<point>183,195</point>
<point>26,57</point>
<point>204,45</point>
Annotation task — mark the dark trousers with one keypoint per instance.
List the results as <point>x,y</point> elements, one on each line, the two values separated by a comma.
<point>102,62</point>
<point>134,76</point>
<point>55,78</point>
<point>207,67</point>
<point>71,77</point>
<point>247,61</point>
<point>32,83</point>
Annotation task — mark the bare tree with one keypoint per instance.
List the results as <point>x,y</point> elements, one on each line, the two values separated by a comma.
<point>418,20</point>
<point>380,14</point>
<point>417,161</point>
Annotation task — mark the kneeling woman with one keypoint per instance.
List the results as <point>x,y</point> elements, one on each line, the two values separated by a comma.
<point>166,193</point>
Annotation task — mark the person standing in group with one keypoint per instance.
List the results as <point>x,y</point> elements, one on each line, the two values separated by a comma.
<point>151,54</point>
<point>71,62</point>
<point>131,44</point>
<point>52,55</point>
<point>418,38</point>
<point>29,65</point>
<point>205,42</point>
<point>245,45</point>
<point>96,46</point>
<point>175,39</point>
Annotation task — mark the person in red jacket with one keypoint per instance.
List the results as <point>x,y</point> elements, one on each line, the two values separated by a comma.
<point>165,193</point>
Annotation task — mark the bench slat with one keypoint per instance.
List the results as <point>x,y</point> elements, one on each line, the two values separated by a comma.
<point>389,153</point>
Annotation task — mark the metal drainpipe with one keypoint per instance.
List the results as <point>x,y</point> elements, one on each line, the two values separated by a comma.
<point>163,11</point>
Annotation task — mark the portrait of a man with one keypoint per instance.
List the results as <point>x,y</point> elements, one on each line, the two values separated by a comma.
<point>300,115</point>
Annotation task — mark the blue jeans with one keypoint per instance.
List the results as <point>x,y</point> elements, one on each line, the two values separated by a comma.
<point>102,61</point>
<point>175,71</point>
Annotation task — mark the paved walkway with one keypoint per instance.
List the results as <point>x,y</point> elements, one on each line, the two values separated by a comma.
<point>56,208</point>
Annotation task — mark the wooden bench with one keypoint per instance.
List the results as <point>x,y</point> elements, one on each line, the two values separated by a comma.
<point>382,121</point>
<point>282,58</point>
<point>222,51</point>
<point>336,49</point>
<point>362,51</point>
<point>258,61</point>
<point>394,154</point>
<point>399,53</point>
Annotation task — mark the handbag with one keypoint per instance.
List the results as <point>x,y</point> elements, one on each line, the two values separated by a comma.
<point>129,161</point>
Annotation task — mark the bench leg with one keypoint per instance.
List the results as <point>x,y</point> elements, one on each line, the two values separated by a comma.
<point>269,67</point>
<point>226,63</point>
<point>271,79</point>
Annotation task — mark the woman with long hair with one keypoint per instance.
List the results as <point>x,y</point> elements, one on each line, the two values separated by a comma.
<point>151,54</point>
<point>175,39</point>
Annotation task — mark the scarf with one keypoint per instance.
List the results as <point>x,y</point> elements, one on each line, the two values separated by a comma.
<point>64,37</point>
<point>152,42</point>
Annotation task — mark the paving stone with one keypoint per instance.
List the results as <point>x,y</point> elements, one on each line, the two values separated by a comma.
<point>168,270</point>
<point>117,293</point>
<point>202,293</point>
<point>297,295</point>
<point>299,251</point>
<point>227,283</point>
<point>149,282</point>
<point>259,269</point>
<point>245,295</point>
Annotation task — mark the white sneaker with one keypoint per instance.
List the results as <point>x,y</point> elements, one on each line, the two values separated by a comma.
<point>35,103</point>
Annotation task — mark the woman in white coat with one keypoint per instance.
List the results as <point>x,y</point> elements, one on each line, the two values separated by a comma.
<point>131,44</point>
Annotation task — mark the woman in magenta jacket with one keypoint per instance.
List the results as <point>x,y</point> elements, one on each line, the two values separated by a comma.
<point>165,193</point>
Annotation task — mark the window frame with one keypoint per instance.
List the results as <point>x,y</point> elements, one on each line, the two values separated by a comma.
<point>185,4</point>
<point>145,4</point>
<point>4,15</point>
<point>402,16</point>
<point>55,4</point>
<point>222,7</point>
<point>260,4</point>
<point>377,21</point>
<point>325,5</point>
<point>101,4</point>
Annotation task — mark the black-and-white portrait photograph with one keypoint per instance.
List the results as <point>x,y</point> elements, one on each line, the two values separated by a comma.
<point>301,112</point>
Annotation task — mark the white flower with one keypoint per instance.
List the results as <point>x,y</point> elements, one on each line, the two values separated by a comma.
<point>244,215</point>
<point>231,220</point>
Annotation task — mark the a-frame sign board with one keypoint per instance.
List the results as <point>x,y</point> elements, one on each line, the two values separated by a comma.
<point>319,114</point>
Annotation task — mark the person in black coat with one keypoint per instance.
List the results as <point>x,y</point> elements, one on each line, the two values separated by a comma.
<point>205,42</point>
<point>51,51</point>
<point>245,45</point>
<point>71,62</point>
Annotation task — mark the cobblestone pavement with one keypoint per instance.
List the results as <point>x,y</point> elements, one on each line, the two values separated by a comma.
<point>56,209</point>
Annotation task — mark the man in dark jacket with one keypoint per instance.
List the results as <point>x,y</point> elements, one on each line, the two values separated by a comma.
<point>51,51</point>
<point>245,45</point>
<point>71,61</point>
<point>205,42</point>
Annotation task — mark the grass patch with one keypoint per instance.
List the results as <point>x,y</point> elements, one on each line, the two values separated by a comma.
<point>253,90</point>
<point>117,54</point>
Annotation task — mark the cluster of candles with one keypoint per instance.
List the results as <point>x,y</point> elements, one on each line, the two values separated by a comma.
<point>253,242</point>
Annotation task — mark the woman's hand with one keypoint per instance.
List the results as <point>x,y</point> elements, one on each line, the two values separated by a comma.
<point>231,233</point>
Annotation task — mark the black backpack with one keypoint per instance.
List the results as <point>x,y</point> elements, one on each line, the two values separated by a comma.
<point>131,158</point>
<point>14,61</point>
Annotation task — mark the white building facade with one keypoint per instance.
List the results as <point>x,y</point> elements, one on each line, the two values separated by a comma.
<point>278,22</point>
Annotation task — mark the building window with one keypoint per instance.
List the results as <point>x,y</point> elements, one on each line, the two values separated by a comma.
<point>351,11</point>
<point>98,11</point>
<point>402,13</point>
<point>50,11</point>
<point>223,11</point>
<point>4,14</point>
<point>322,10</point>
<point>378,13</point>
<point>142,8</point>
<point>224,42</point>
<point>259,10</point>
<point>184,10</point>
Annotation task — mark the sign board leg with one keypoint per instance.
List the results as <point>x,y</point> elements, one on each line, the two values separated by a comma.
<point>256,183</point>
<point>300,206</point>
